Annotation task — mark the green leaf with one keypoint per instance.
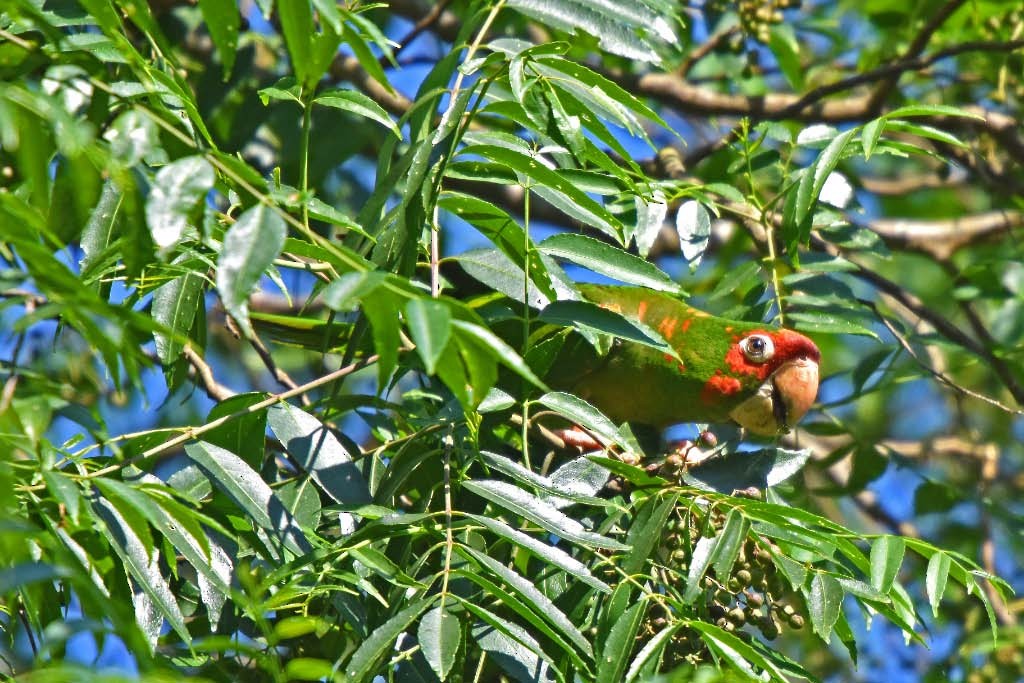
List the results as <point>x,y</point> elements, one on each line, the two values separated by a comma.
<point>513,648</point>
<point>813,180</point>
<point>359,104</point>
<point>174,200</point>
<point>540,512</point>
<point>540,604</point>
<point>932,110</point>
<point>589,317</point>
<point>824,602</point>
<point>744,469</point>
<point>248,490</point>
<point>728,542</point>
<point>499,272</point>
<point>552,186</point>
<point>222,20</point>
<point>503,232</point>
<point>620,643</point>
<point>699,563</point>
<point>99,230</point>
<point>439,636</point>
<point>616,26</point>
<point>651,650</point>
<point>286,89</point>
<point>694,227</point>
<point>249,248</point>
<point>591,83</point>
<point>740,654</point>
<point>585,415</point>
<point>935,579</point>
<point>318,452</point>
<point>498,349</point>
<point>297,24</point>
<point>608,260</point>
<point>143,564</point>
<point>308,669</point>
<point>174,306</point>
<point>549,553</point>
<point>786,48</point>
<point>365,660</point>
<point>429,325</point>
<point>886,559</point>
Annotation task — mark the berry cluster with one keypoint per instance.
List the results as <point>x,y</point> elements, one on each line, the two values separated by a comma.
<point>756,16</point>
<point>753,594</point>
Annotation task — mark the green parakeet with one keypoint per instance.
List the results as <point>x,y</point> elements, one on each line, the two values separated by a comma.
<point>763,378</point>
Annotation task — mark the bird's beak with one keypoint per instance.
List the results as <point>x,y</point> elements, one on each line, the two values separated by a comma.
<point>782,400</point>
<point>796,384</point>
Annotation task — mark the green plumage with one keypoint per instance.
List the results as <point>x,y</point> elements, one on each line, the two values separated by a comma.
<point>638,383</point>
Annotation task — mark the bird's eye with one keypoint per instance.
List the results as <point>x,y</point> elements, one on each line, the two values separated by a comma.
<point>758,348</point>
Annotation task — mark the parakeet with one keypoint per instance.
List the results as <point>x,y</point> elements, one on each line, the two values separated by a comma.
<point>762,377</point>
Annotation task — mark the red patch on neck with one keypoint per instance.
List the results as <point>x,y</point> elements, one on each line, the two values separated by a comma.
<point>718,387</point>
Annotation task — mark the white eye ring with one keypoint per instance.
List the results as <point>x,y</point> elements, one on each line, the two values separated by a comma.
<point>758,348</point>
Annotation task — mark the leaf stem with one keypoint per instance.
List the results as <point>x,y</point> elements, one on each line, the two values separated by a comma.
<point>307,125</point>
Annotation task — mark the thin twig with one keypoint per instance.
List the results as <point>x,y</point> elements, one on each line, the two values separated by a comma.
<point>193,432</point>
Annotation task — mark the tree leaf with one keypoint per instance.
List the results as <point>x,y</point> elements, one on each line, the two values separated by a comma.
<point>359,104</point>
<point>585,415</point>
<point>614,25</point>
<point>577,203</point>
<point>174,199</point>
<point>439,636</point>
<point>549,553</point>
<point>222,20</point>
<point>245,486</point>
<point>318,452</point>
<point>886,559</point>
<point>700,560</point>
<point>174,306</point>
<point>250,247</point>
<point>745,469</point>
<point>429,325</point>
<point>540,512</point>
<point>515,650</point>
<point>540,603</point>
<point>824,602</point>
<point>935,579</point>
<point>143,565</point>
<point>367,656</point>
<point>620,643</point>
<point>608,260</point>
<point>694,227</point>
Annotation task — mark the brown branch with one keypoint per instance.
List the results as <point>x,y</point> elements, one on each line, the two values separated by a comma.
<point>433,15</point>
<point>204,373</point>
<point>907,184</point>
<point>916,47</point>
<point>706,48</point>
<point>282,377</point>
<point>940,239</point>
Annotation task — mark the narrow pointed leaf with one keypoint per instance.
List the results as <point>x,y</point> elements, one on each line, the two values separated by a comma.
<point>430,327</point>
<point>174,198</point>
<point>537,510</point>
<point>250,247</point>
<point>439,636</point>
<point>886,559</point>
<point>246,487</point>
<point>366,659</point>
